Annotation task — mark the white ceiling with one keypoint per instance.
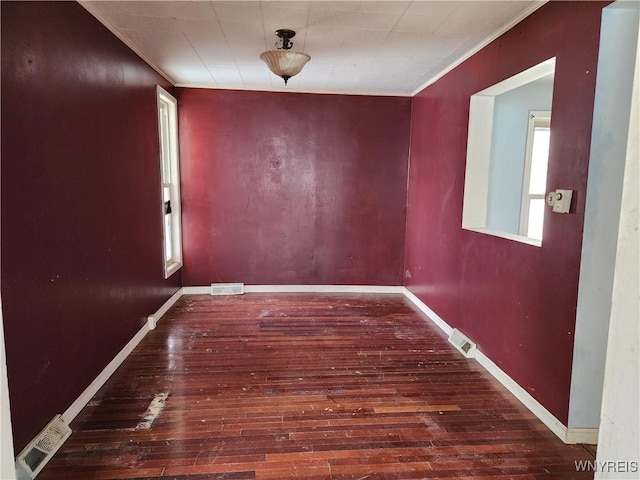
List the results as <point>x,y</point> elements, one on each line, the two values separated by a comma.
<point>356,47</point>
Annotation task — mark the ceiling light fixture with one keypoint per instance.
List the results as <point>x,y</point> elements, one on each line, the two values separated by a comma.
<point>284,62</point>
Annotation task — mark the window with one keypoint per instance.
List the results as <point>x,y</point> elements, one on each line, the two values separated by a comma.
<point>535,175</point>
<point>170,177</point>
<point>507,155</point>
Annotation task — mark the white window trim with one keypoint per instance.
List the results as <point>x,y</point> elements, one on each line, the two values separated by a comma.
<point>537,118</point>
<point>481,107</point>
<point>174,263</point>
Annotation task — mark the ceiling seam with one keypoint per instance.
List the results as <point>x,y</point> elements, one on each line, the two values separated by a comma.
<point>226,41</point>
<point>264,36</point>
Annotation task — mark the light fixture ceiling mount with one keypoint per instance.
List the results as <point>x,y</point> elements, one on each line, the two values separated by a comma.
<point>285,35</point>
<point>285,62</point>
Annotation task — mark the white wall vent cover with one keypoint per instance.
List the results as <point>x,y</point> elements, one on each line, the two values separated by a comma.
<point>227,288</point>
<point>36,455</point>
<point>462,343</point>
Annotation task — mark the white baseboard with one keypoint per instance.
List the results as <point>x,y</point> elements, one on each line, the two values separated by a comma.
<point>582,435</point>
<point>322,289</point>
<point>198,290</point>
<point>101,379</point>
<point>433,316</point>
<point>167,305</point>
<point>525,398</point>
<point>113,365</point>
<point>567,435</point>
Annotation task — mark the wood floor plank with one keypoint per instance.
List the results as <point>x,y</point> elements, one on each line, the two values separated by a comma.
<point>307,386</point>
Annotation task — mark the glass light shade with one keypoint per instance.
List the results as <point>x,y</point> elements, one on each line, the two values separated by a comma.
<point>285,63</point>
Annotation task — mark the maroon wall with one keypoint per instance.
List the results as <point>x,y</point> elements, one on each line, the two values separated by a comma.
<point>81,221</point>
<point>517,301</point>
<point>282,188</point>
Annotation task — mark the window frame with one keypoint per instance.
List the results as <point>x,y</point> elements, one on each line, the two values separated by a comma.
<point>537,119</point>
<point>169,181</point>
<point>479,154</point>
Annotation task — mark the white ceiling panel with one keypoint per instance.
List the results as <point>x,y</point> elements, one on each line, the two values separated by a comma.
<point>419,23</point>
<point>230,13</point>
<point>392,62</point>
<point>363,38</point>
<point>275,17</point>
<point>226,76</point>
<point>338,6</point>
<point>440,9</point>
<point>385,7</point>
<point>360,47</point>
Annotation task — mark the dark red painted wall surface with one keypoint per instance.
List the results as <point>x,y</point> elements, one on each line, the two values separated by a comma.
<point>283,188</point>
<point>81,227</point>
<point>517,301</point>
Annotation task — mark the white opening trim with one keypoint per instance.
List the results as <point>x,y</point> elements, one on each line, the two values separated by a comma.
<point>170,182</point>
<point>479,149</point>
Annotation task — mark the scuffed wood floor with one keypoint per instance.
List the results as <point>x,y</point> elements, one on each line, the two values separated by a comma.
<point>307,387</point>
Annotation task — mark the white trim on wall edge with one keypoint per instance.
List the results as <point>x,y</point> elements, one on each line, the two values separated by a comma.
<point>494,35</point>
<point>303,289</point>
<point>433,316</point>
<point>113,365</point>
<point>196,290</point>
<point>101,379</point>
<point>567,435</point>
<point>113,29</point>
<point>322,289</point>
<point>525,398</point>
<point>167,305</point>
<point>582,435</point>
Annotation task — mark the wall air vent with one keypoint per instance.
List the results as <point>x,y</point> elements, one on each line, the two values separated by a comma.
<point>36,455</point>
<point>464,345</point>
<point>227,288</point>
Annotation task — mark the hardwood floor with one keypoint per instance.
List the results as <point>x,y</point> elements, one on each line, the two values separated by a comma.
<point>308,387</point>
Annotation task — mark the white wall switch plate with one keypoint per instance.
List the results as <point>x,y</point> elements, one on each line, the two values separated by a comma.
<point>562,201</point>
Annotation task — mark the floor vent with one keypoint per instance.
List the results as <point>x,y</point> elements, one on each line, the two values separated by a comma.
<point>462,343</point>
<point>227,288</point>
<point>36,455</point>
